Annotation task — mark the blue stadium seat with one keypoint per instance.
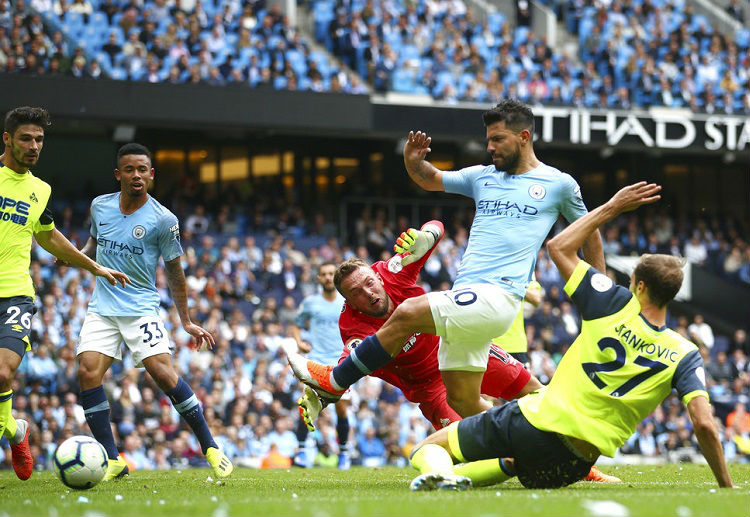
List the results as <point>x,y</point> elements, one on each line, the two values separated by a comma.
<point>743,38</point>
<point>118,74</point>
<point>402,81</point>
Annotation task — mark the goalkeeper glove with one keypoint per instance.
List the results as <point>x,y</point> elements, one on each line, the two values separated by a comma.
<point>414,244</point>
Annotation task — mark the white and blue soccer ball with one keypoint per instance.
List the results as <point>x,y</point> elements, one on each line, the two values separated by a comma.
<point>81,462</point>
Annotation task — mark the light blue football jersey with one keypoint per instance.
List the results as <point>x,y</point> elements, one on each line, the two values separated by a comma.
<point>131,244</point>
<point>323,334</point>
<point>514,214</point>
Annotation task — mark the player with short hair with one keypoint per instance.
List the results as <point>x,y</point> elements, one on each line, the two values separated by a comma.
<point>518,199</point>
<point>621,367</point>
<point>319,315</point>
<point>24,213</point>
<point>415,370</point>
<point>131,230</point>
<point>374,292</point>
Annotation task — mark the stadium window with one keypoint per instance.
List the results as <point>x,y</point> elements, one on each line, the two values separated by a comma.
<point>345,166</point>
<point>322,163</point>
<point>288,162</point>
<point>622,177</point>
<point>266,165</point>
<point>169,162</point>
<point>443,162</point>
<point>201,162</point>
<point>234,164</point>
<point>376,168</point>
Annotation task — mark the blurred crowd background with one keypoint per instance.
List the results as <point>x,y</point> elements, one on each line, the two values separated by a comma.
<point>247,271</point>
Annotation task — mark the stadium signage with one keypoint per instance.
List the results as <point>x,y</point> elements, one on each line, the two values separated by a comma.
<point>659,128</point>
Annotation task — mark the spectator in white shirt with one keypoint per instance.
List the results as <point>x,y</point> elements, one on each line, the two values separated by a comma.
<point>695,250</point>
<point>701,332</point>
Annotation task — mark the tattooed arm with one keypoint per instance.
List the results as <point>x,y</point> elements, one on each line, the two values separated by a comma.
<point>420,170</point>
<point>178,288</point>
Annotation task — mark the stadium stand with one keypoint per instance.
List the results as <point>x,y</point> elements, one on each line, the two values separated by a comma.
<point>246,274</point>
<point>634,53</point>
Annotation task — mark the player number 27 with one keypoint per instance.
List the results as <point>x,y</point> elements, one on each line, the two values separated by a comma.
<point>591,369</point>
<point>148,335</point>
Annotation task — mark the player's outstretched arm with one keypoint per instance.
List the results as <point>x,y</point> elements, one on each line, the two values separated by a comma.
<point>422,172</point>
<point>57,244</point>
<point>178,288</point>
<point>708,439</point>
<point>563,248</point>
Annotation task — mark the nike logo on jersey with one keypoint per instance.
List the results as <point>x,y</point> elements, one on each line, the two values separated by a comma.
<point>103,224</point>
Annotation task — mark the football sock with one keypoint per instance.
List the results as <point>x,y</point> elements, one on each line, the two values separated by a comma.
<point>8,425</point>
<point>186,403</point>
<point>484,472</point>
<point>342,431</point>
<point>96,408</point>
<point>365,359</point>
<point>432,458</point>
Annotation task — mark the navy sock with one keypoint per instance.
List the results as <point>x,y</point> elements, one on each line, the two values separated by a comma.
<point>186,403</point>
<point>342,431</point>
<point>96,408</point>
<point>367,357</point>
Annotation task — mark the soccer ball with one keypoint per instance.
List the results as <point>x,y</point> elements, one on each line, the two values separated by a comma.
<point>81,462</point>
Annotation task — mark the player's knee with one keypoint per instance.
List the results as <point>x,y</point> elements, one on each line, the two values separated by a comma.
<point>165,377</point>
<point>88,377</point>
<point>407,313</point>
<point>6,374</point>
<point>463,402</point>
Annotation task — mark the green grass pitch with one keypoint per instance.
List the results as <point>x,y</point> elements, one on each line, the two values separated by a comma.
<point>670,490</point>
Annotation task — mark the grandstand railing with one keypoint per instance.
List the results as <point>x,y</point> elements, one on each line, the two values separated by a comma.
<point>719,18</point>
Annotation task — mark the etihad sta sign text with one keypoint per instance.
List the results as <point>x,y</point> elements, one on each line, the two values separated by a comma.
<point>658,128</point>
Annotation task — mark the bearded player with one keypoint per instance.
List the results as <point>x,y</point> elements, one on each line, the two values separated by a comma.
<point>372,294</point>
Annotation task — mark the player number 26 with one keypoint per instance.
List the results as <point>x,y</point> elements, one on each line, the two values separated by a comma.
<point>14,312</point>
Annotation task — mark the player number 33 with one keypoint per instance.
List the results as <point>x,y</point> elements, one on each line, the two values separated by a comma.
<point>148,336</point>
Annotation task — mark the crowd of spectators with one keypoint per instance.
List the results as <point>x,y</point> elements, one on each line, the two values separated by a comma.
<point>175,41</point>
<point>633,53</point>
<point>246,277</point>
<point>659,53</point>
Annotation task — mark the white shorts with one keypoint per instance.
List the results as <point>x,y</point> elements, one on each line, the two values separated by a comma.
<point>143,335</point>
<point>467,319</point>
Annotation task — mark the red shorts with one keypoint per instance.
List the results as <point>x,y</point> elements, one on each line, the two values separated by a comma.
<point>504,378</point>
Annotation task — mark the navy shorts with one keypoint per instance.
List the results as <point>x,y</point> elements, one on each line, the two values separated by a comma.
<point>15,323</point>
<point>541,459</point>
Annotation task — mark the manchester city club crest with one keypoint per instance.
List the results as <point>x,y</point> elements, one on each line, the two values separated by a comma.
<point>139,231</point>
<point>537,191</point>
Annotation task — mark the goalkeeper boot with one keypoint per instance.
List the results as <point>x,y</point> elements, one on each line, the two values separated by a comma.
<point>598,476</point>
<point>438,481</point>
<point>219,462</point>
<point>23,462</point>
<point>310,406</point>
<point>315,375</point>
<point>116,469</point>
